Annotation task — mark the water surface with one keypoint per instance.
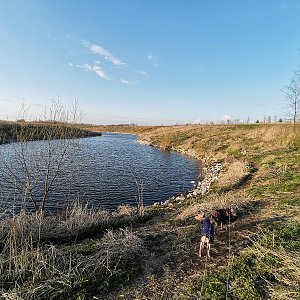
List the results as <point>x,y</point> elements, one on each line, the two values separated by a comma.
<point>108,170</point>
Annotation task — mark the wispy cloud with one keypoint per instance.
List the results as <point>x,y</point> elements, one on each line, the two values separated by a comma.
<point>144,73</point>
<point>99,50</point>
<point>5,100</point>
<point>95,69</point>
<point>34,104</point>
<point>129,82</point>
<point>153,59</point>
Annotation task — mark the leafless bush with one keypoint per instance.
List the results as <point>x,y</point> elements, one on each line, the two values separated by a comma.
<point>34,168</point>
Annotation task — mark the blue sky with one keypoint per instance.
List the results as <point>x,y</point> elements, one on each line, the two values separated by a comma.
<point>148,61</point>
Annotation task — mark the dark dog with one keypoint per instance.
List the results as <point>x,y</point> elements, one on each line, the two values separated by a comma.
<point>224,216</point>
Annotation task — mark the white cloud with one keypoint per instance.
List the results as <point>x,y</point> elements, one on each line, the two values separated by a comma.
<point>144,73</point>
<point>212,118</point>
<point>70,64</point>
<point>153,59</point>
<point>5,100</point>
<point>95,68</point>
<point>96,49</point>
<point>129,82</point>
<point>226,117</point>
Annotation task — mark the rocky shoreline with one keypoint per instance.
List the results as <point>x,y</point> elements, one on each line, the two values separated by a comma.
<point>210,170</point>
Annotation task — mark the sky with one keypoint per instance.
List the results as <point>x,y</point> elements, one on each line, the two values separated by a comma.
<point>148,62</point>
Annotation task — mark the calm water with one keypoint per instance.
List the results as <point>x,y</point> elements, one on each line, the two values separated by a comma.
<point>105,171</point>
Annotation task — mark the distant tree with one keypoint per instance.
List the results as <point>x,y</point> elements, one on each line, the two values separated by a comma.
<point>257,121</point>
<point>265,119</point>
<point>280,120</point>
<point>292,95</point>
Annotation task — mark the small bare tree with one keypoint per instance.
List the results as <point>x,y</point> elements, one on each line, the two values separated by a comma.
<point>35,169</point>
<point>140,196</point>
<point>292,95</point>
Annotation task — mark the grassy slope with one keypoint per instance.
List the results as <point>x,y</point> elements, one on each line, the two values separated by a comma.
<point>258,258</point>
<point>262,171</point>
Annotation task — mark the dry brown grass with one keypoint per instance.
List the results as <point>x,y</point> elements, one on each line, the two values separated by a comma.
<point>125,210</point>
<point>281,134</point>
<point>286,270</point>
<point>53,269</point>
<point>235,199</point>
<point>220,141</point>
<point>232,173</point>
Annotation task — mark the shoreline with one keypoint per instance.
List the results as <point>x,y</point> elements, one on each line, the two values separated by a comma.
<point>9,132</point>
<point>209,171</point>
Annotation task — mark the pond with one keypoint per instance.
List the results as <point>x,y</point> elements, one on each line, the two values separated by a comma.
<point>105,172</point>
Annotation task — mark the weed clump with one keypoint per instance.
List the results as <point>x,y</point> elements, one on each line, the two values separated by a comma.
<point>44,262</point>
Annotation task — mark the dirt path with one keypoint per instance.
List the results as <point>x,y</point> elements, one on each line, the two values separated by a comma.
<point>171,246</point>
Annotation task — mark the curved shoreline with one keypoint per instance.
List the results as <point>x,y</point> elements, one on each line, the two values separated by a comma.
<point>209,171</point>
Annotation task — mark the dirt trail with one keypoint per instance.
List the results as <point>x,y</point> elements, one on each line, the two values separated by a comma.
<point>169,246</point>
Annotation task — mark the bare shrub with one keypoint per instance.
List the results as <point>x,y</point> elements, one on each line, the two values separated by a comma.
<point>36,169</point>
<point>10,296</point>
<point>292,95</point>
<point>122,240</point>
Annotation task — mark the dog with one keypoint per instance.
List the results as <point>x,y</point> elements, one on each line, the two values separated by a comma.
<point>223,216</point>
<point>207,234</point>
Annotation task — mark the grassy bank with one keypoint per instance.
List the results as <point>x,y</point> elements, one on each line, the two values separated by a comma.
<point>16,131</point>
<point>121,255</point>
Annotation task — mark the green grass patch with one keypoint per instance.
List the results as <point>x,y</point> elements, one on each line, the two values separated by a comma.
<point>281,235</point>
<point>182,222</point>
<point>291,202</point>
<point>239,281</point>
<point>178,138</point>
<point>246,277</point>
<point>282,183</point>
